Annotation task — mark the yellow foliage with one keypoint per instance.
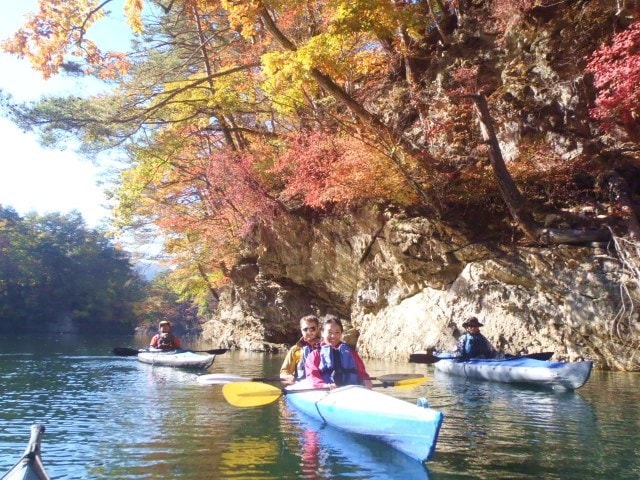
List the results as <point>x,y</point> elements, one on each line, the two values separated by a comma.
<point>286,80</point>
<point>133,11</point>
<point>243,15</point>
<point>351,16</point>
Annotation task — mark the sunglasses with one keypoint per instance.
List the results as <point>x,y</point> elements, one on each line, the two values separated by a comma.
<point>309,329</point>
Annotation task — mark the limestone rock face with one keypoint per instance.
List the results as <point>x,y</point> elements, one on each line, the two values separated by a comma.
<point>405,284</point>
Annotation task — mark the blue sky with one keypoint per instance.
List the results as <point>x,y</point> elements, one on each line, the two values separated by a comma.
<point>33,178</point>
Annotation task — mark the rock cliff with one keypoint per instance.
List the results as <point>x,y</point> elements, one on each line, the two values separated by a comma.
<point>406,284</point>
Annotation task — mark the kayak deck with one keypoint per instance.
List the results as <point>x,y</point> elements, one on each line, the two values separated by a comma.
<point>561,375</point>
<point>409,428</point>
<point>30,466</point>
<point>176,358</point>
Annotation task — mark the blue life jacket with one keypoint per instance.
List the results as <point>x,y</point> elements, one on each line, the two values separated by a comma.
<point>338,366</point>
<point>474,346</point>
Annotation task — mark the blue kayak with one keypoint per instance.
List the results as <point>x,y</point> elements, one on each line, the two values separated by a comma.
<point>519,369</point>
<point>409,428</point>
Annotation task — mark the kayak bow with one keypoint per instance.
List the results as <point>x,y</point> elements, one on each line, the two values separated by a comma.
<point>29,467</point>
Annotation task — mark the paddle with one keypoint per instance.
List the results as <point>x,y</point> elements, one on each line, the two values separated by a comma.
<point>224,378</point>
<point>250,394</point>
<point>431,358</point>
<point>132,352</point>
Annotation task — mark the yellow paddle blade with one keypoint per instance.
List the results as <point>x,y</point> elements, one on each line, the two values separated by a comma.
<point>408,383</point>
<point>250,394</point>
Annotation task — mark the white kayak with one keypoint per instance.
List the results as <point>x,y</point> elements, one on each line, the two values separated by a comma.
<point>408,428</point>
<point>29,467</point>
<point>560,375</point>
<point>175,358</point>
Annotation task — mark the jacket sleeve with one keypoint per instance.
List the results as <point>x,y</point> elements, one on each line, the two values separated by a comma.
<point>290,361</point>
<point>360,368</point>
<point>154,342</point>
<point>312,370</point>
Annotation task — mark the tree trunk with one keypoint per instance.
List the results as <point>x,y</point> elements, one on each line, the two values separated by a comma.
<point>513,198</point>
<point>509,190</point>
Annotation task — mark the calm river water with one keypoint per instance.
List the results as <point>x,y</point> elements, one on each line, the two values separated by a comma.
<point>111,417</point>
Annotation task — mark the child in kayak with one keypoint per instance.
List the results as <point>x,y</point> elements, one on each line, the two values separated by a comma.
<point>334,363</point>
<point>165,340</point>
<point>293,368</point>
<point>473,344</point>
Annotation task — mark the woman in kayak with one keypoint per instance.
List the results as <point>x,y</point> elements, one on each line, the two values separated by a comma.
<point>165,340</point>
<point>473,344</point>
<point>292,368</point>
<point>334,363</point>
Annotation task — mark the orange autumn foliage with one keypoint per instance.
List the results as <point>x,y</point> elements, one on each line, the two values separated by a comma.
<point>56,35</point>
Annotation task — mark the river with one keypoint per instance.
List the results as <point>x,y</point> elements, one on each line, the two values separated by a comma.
<point>111,417</point>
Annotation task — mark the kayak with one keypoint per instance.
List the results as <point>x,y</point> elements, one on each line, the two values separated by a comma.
<point>320,445</point>
<point>29,467</point>
<point>175,358</point>
<point>410,429</point>
<point>520,369</point>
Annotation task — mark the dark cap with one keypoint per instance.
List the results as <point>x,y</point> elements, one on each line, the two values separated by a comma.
<point>471,322</point>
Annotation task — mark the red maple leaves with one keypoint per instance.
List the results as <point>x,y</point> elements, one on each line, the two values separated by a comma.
<point>616,71</point>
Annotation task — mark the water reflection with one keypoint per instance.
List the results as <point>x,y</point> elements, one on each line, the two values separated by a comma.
<point>327,452</point>
<point>518,432</point>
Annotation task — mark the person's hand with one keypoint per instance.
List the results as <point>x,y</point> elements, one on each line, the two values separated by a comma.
<point>331,386</point>
<point>288,380</point>
<point>367,384</point>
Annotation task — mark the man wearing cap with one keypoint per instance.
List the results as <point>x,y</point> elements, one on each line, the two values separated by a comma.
<point>473,344</point>
<point>165,340</point>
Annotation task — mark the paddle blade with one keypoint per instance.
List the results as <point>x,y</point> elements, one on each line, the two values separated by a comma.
<point>427,358</point>
<point>250,394</point>
<point>125,352</point>
<point>396,377</point>
<point>407,383</point>
<point>215,351</point>
<point>541,355</point>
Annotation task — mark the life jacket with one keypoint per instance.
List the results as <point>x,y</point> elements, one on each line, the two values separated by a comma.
<point>338,366</point>
<point>166,342</point>
<point>474,346</point>
<point>305,350</point>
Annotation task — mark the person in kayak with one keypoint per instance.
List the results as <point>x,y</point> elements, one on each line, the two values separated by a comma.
<point>334,363</point>
<point>473,344</point>
<point>164,339</point>
<point>292,368</point>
